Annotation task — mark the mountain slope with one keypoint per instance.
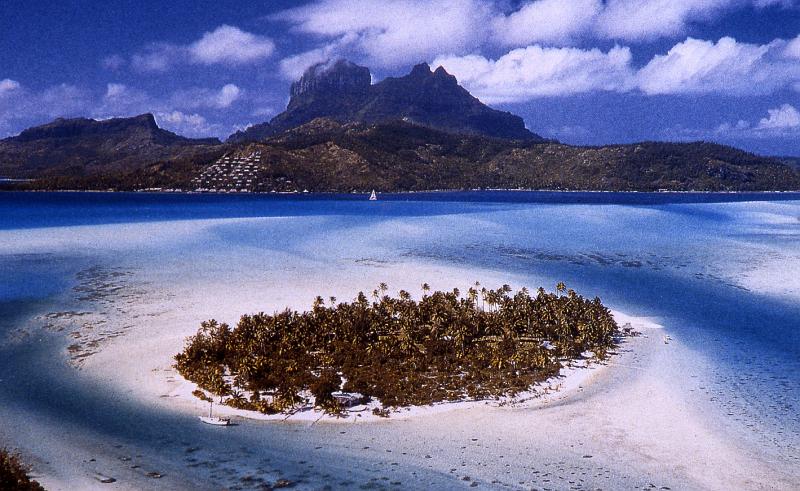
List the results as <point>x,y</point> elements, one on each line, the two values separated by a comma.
<point>342,91</point>
<point>326,155</point>
<point>86,146</point>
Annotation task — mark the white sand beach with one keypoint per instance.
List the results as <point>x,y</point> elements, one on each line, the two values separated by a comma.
<point>645,418</point>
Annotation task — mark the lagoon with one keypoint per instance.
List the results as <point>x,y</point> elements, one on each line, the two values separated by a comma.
<point>99,290</point>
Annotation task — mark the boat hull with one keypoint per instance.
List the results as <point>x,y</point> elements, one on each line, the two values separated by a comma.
<point>215,421</point>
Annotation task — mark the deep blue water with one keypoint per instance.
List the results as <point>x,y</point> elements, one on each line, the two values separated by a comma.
<point>49,209</point>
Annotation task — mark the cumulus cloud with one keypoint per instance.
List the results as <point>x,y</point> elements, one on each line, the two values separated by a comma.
<point>793,49</point>
<point>548,21</point>
<point>180,111</point>
<point>226,45</point>
<point>183,123</point>
<point>727,66</point>
<point>780,122</point>
<point>786,117</point>
<point>537,71</point>
<point>19,103</point>
<point>7,86</point>
<point>121,100</point>
<point>391,34</point>
<point>292,67</point>
<point>158,57</point>
<point>227,95</point>
<point>650,19</point>
<point>694,66</point>
<point>230,45</point>
<point>200,97</point>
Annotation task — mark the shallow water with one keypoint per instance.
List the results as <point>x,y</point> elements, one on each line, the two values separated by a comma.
<point>720,272</point>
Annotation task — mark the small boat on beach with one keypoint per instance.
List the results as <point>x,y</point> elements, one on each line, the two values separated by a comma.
<point>214,420</point>
<point>373,196</point>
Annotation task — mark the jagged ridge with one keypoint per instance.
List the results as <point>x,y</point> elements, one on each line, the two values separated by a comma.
<point>342,91</point>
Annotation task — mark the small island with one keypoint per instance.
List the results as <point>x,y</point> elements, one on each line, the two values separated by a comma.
<point>447,346</point>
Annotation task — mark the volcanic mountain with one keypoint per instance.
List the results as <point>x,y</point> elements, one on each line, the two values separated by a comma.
<point>85,146</point>
<point>342,91</point>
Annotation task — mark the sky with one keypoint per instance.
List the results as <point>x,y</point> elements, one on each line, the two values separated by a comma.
<point>586,72</point>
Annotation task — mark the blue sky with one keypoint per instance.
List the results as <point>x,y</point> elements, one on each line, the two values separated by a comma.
<point>581,71</point>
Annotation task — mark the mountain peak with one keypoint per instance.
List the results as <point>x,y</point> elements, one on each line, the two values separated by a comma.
<point>332,76</point>
<point>142,127</point>
<point>421,70</point>
<point>146,119</point>
<point>342,91</point>
<point>441,73</point>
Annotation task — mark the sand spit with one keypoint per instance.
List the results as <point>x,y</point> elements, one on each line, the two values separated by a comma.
<point>640,420</point>
<point>626,423</point>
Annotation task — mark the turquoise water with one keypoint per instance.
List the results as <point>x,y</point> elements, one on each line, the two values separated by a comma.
<point>720,272</point>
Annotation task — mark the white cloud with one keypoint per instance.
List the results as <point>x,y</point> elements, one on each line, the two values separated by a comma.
<point>726,67</point>
<point>226,45</point>
<point>228,94</point>
<point>628,20</point>
<point>785,117</point>
<point>793,49</point>
<point>231,46</point>
<point>18,103</point>
<point>396,33</point>
<point>651,19</point>
<point>115,90</point>
<point>120,100</point>
<point>183,123</point>
<point>728,128</point>
<point>536,71</point>
<point>7,86</point>
<point>157,57</point>
<point>293,67</point>
<point>781,122</point>
<point>401,32</point>
<point>199,97</point>
<point>548,21</point>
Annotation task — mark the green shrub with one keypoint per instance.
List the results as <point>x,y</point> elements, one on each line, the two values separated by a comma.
<point>14,474</point>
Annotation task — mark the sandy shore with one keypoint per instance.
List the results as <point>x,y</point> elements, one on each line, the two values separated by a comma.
<point>631,422</point>
<point>640,420</point>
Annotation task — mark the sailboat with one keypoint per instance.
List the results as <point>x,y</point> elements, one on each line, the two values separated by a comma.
<point>373,196</point>
<point>214,420</point>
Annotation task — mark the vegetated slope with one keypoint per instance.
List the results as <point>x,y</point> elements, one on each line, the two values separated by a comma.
<point>327,156</point>
<point>80,147</point>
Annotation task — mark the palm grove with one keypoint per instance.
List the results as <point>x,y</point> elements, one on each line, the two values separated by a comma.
<point>444,347</point>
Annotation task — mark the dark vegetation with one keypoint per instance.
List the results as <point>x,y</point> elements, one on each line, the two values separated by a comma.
<point>328,156</point>
<point>444,347</point>
<point>14,474</point>
<point>96,152</point>
<point>340,133</point>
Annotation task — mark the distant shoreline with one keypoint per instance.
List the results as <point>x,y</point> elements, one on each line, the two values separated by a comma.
<point>385,193</point>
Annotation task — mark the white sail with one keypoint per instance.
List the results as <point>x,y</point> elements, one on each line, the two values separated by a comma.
<point>373,196</point>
